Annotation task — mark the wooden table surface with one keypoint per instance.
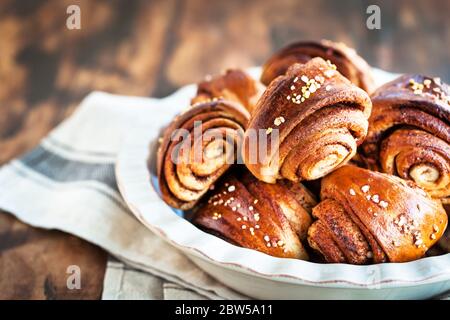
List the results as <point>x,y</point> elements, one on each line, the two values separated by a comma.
<point>150,48</point>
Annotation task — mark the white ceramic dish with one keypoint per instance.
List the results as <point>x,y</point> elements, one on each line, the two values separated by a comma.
<point>251,272</point>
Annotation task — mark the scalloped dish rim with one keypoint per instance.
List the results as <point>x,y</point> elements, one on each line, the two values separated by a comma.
<point>135,185</point>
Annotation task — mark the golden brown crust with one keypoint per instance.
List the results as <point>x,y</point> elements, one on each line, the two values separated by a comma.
<point>270,218</point>
<point>348,241</point>
<point>318,133</point>
<point>444,242</point>
<point>409,132</point>
<point>374,217</point>
<point>233,85</point>
<point>348,62</point>
<point>188,164</point>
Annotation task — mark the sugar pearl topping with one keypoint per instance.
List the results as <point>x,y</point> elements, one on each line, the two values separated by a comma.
<point>310,86</point>
<point>425,86</point>
<point>278,121</point>
<point>216,216</point>
<point>383,204</point>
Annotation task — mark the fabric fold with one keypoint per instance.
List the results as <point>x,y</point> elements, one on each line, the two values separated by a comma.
<point>68,183</point>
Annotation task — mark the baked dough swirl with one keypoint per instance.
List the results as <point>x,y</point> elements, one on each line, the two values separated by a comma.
<point>347,61</point>
<point>371,217</point>
<point>271,218</point>
<point>192,157</point>
<point>409,132</point>
<point>233,85</point>
<point>320,117</point>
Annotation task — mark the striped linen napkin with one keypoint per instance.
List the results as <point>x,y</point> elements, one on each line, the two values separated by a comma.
<point>68,183</point>
<point>123,282</point>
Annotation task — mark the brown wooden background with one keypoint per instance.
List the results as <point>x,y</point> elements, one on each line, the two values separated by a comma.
<point>150,48</point>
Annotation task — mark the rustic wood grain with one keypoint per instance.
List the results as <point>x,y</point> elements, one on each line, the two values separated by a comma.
<point>34,262</point>
<point>151,48</point>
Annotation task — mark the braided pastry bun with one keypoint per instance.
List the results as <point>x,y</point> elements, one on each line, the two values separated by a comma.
<point>233,85</point>
<point>347,61</point>
<point>312,119</point>
<point>370,217</point>
<point>271,218</point>
<point>409,132</point>
<point>197,148</point>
